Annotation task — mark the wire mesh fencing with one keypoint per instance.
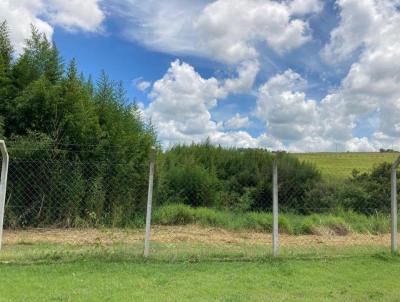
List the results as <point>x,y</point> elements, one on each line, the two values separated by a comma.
<point>56,188</point>
<point>327,203</point>
<point>338,205</point>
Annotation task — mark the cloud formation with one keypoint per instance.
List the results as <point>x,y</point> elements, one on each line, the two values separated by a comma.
<point>369,93</point>
<point>72,15</point>
<point>224,30</point>
<point>371,85</point>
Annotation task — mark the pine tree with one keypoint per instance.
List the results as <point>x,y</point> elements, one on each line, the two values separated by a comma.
<point>6,61</point>
<point>6,49</point>
<point>80,122</point>
<point>39,58</point>
<point>72,71</point>
<point>104,89</point>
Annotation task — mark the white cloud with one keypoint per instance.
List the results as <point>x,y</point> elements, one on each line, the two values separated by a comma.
<point>303,7</point>
<point>371,85</point>
<point>76,14</point>
<point>180,103</point>
<point>247,72</point>
<point>357,20</point>
<point>180,110</point>
<point>141,84</point>
<point>237,122</point>
<point>20,15</point>
<point>223,30</point>
<point>294,121</point>
<point>44,14</point>
<point>286,111</point>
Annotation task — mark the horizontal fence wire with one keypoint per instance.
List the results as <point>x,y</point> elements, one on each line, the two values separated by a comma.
<point>57,188</point>
<point>74,186</point>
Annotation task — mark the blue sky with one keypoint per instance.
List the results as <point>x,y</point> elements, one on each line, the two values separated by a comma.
<point>302,75</point>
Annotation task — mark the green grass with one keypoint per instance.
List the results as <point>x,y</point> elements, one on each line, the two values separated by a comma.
<point>119,273</point>
<point>340,165</point>
<point>340,222</point>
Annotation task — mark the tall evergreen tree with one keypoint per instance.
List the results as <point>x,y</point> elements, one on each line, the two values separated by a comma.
<point>6,53</point>
<point>39,58</point>
<point>6,49</point>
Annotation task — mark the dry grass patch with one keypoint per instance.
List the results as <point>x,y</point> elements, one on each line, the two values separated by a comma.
<point>188,234</point>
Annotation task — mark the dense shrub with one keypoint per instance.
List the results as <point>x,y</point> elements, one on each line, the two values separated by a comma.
<point>190,184</point>
<point>367,193</point>
<point>229,179</point>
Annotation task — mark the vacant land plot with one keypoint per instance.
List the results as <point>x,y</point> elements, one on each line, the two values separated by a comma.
<point>340,165</point>
<point>192,263</point>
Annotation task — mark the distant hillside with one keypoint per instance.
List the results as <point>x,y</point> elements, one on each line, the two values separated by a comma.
<point>341,165</point>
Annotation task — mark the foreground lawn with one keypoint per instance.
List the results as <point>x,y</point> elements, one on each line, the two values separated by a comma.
<point>191,263</point>
<point>365,278</point>
<point>197,271</point>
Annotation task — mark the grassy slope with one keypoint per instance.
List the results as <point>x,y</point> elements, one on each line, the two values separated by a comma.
<point>342,164</point>
<point>179,214</point>
<point>361,278</point>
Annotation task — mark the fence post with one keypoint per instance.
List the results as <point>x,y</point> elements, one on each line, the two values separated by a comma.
<point>393,195</point>
<point>3,185</point>
<point>149,202</point>
<point>275,231</point>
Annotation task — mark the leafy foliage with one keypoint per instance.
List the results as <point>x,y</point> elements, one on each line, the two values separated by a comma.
<point>233,179</point>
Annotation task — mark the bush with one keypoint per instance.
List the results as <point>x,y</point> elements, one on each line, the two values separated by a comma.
<point>190,184</point>
<point>230,179</point>
<point>174,214</point>
<point>315,224</point>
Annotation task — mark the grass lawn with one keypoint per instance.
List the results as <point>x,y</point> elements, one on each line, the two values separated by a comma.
<point>371,277</point>
<point>340,165</point>
<point>213,270</point>
<point>193,263</point>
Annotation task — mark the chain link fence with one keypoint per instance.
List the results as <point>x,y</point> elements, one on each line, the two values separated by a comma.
<point>325,201</point>
<point>55,188</point>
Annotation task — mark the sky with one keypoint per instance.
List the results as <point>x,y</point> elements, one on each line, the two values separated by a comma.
<point>296,75</point>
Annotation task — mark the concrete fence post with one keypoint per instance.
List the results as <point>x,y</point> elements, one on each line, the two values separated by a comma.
<point>393,195</point>
<point>149,203</point>
<point>3,185</point>
<point>275,224</point>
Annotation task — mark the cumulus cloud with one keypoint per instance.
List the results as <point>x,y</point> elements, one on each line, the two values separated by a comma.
<point>237,122</point>
<point>371,85</point>
<point>45,14</point>
<point>246,75</point>
<point>180,103</point>
<point>303,7</point>
<point>182,99</point>
<point>75,14</point>
<point>230,32</point>
<point>357,18</point>
<point>180,110</point>
<point>287,112</point>
<point>20,15</point>
<point>223,30</point>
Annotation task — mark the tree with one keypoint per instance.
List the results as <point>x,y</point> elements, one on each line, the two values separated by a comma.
<point>6,53</point>
<point>39,58</point>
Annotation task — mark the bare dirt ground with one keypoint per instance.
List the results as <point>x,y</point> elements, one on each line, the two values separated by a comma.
<point>190,234</point>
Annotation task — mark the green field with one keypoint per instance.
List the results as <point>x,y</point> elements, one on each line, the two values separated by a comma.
<point>41,272</point>
<point>340,165</point>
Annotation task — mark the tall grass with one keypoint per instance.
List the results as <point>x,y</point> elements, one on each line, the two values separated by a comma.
<point>338,222</point>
